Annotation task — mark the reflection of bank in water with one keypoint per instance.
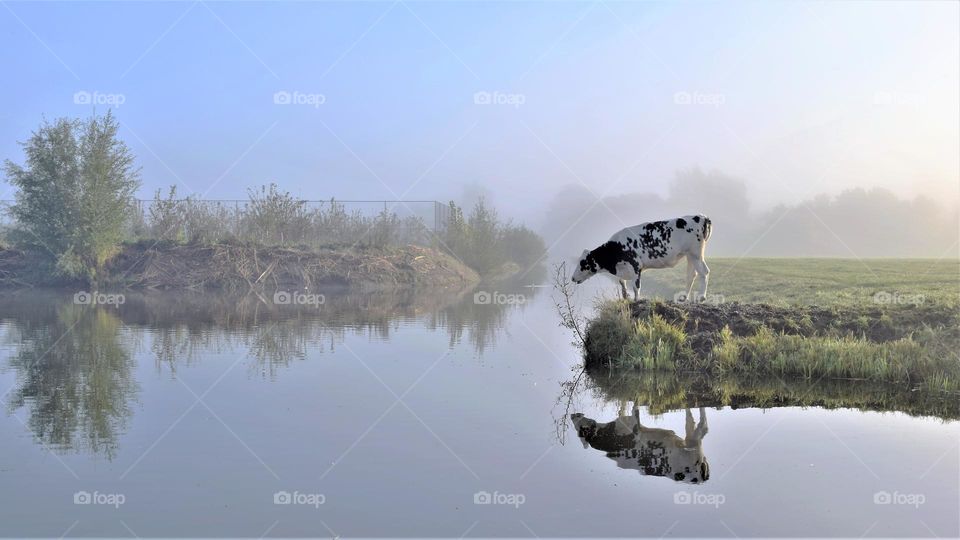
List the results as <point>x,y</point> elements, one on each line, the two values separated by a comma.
<point>662,392</point>
<point>652,451</point>
<point>74,361</point>
<point>661,452</point>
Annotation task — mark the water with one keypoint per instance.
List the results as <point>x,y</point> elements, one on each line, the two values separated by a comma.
<point>396,414</point>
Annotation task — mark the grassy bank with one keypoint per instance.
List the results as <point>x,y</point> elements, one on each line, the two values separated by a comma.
<point>881,320</point>
<point>910,345</point>
<point>230,266</point>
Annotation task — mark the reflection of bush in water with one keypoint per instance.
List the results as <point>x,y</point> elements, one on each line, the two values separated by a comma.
<point>662,392</point>
<point>74,376</point>
<point>183,327</point>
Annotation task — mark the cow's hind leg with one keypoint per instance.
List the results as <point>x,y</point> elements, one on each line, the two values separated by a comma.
<point>636,288</point>
<point>691,275</point>
<point>623,288</point>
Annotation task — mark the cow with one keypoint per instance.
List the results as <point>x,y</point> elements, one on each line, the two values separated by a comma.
<point>658,244</point>
<point>652,451</point>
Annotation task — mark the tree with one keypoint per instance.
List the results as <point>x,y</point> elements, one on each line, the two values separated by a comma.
<point>484,227</point>
<point>74,192</point>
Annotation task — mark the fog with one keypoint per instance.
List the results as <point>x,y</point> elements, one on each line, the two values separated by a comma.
<point>801,129</point>
<point>856,223</point>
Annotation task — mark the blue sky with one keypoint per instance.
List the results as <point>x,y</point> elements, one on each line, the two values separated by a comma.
<point>795,98</point>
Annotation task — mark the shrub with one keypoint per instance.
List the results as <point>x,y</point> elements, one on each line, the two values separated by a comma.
<point>74,192</point>
<point>483,243</point>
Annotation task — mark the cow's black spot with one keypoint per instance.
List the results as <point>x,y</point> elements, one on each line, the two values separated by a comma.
<point>696,219</point>
<point>607,256</point>
<point>679,476</point>
<point>655,238</point>
<point>681,223</point>
<point>689,230</point>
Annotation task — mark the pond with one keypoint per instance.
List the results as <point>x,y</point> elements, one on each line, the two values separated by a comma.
<point>429,415</point>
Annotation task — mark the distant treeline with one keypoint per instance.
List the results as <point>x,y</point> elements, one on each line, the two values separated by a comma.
<point>856,223</point>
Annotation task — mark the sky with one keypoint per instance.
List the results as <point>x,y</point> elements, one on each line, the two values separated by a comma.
<point>435,100</point>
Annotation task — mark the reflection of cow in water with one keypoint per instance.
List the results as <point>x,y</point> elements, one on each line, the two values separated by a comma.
<point>654,451</point>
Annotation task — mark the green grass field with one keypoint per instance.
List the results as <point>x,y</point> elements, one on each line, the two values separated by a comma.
<point>824,282</point>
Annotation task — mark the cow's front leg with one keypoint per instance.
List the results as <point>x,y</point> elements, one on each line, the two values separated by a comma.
<point>636,288</point>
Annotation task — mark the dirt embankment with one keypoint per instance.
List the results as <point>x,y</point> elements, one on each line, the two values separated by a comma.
<point>703,322</point>
<point>240,267</point>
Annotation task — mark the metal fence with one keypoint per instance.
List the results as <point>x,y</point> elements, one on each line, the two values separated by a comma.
<point>312,223</point>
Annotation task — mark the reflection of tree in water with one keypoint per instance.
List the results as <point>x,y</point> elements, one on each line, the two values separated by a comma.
<point>185,328</point>
<point>483,322</point>
<point>74,377</point>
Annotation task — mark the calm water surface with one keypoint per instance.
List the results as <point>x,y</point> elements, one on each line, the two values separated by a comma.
<point>422,415</point>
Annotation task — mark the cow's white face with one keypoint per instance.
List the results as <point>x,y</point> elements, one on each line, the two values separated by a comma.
<point>586,268</point>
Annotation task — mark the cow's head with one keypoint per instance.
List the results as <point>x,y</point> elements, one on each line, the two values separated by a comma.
<point>586,267</point>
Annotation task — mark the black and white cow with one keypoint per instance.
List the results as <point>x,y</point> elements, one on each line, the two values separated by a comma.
<point>658,244</point>
<point>652,451</point>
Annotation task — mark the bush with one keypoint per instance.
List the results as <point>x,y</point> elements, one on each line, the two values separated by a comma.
<point>276,217</point>
<point>75,192</point>
<point>483,243</point>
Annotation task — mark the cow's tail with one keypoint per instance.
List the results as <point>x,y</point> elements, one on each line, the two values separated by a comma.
<point>707,228</point>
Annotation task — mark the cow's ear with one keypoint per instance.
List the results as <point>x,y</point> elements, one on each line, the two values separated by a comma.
<point>584,254</point>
